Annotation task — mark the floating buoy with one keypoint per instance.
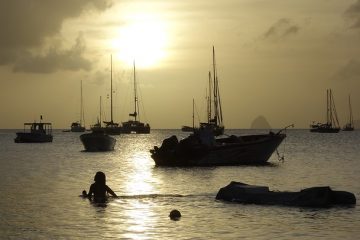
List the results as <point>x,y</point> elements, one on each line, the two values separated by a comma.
<point>175,214</point>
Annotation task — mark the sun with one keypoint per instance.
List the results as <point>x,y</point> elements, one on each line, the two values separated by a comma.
<point>143,40</point>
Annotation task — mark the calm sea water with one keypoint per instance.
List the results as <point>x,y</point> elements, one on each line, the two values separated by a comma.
<point>41,183</point>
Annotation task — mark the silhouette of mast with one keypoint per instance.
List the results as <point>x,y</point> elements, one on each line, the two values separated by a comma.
<point>82,115</point>
<point>111,91</point>
<point>136,107</point>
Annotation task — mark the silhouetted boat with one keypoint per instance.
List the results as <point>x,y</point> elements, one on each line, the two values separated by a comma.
<point>187,129</point>
<point>111,127</point>
<point>135,125</point>
<point>78,126</point>
<point>97,141</point>
<point>350,125</point>
<point>214,111</point>
<point>202,149</point>
<point>35,133</point>
<point>332,122</point>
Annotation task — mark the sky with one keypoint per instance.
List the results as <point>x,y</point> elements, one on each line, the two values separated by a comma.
<point>275,59</point>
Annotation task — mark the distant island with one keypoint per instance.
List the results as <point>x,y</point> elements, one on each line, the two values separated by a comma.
<point>260,123</point>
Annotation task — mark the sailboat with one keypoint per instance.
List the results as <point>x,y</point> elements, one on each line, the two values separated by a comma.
<point>135,126</point>
<point>350,125</point>
<point>332,122</point>
<point>111,127</point>
<point>214,111</point>
<point>204,148</point>
<point>78,126</point>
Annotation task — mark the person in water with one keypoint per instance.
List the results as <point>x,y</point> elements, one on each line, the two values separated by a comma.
<point>99,191</point>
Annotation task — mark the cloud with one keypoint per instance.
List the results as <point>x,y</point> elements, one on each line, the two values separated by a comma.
<point>349,72</point>
<point>25,25</point>
<point>353,13</point>
<point>55,59</point>
<point>281,29</point>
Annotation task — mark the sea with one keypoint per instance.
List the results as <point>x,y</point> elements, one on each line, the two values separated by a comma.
<point>41,184</point>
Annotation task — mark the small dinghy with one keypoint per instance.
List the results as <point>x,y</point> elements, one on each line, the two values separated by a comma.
<point>97,141</point>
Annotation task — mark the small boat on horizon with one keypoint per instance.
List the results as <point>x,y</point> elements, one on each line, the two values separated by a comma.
<point>78,125</point>
<point>214,111</point>
<point>350,125</point>
<point>111,127</point>
<point>135,125</point>
<point>332,122</point>
<point>36,132</point>
<point>187,129</point>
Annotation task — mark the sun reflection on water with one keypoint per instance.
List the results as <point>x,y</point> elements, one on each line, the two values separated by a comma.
<point>138,181</point>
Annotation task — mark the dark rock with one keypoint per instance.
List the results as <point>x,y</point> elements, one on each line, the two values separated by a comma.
<point>309,197</point>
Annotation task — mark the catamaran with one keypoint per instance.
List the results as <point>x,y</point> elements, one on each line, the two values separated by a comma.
<point>111,127</point>
<point>78,126</point>
<point>332,122</point>
<point>135,125</point>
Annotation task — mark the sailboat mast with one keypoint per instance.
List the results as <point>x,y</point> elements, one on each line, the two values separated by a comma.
<point>331,108</point>
<point>100,111</point>
<point>193,117</point>
<point>111,91</point>
<point>82,115</point>
<point>327,106</point>
<point>135,95</point>
<point>350,110</point>
<point>215,88</point>
<point>209,99</point>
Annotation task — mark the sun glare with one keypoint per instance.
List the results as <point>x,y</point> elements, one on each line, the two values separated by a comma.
<point>142,40</point>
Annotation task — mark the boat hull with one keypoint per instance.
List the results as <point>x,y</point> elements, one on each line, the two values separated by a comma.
<point>112,130</point>
<point>32,138</point>
<point>325,130</point>
<point>244,150</point>
<point>77,129</point>
<point>138,130</point>
<point>97,142</point>
<point>135,127</point>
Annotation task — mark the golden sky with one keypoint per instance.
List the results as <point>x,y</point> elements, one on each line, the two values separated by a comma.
<point>274,59</point>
